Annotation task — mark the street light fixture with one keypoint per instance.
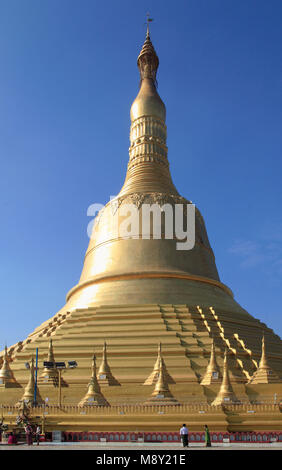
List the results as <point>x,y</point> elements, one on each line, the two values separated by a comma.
<point>60,366</point>
<point>72,364</point>
<point>48,364</point>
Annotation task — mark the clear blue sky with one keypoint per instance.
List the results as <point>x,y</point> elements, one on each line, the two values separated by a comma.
<point>68,78</point>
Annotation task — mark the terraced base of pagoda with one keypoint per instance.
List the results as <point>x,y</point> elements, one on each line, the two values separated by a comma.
<point>133,334</point>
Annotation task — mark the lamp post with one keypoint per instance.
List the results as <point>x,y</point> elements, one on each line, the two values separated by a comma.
<point>35,378</point>
<point>60,366</point>
<point>43,421</point>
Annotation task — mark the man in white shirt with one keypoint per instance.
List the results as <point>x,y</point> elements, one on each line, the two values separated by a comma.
<point>184,435</point>
<point>37,434</point>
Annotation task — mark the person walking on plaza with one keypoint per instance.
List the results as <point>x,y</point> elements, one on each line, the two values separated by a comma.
<point>37,435</point>
<point>184,435</point>
<point>28,433</point>
<point>207,436</point>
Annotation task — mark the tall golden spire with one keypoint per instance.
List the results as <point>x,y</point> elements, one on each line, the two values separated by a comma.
<point>94,396</point>
<point>225,394</point>
<point>105,375</point>
<point>212,374</point>
<point>264,374</point>
<point>148,21</point>
<point>148,167</point>
<point>154,376</point>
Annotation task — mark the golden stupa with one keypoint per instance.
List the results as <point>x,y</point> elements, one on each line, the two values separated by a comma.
<point>93,397</point>
<point>137,292</point>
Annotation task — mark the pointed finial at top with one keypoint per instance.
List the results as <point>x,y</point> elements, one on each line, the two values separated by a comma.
<point>148,21</point>
<point>225,361</point>
<point>263,359</point>
<point>51,357</point>
<point>148,61</point>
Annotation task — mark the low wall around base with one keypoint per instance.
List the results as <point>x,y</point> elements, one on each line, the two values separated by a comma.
<point>173,437</point>
<point>123,419</point>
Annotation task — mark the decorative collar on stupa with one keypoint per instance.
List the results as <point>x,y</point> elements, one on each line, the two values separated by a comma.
<point>160,363</point>
<point>94,396</point>
<point>264,374</point>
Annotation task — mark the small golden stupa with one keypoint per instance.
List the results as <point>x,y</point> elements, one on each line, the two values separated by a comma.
<point>161,394</point>
<point>105,375</point>
<point>264,374</point>
<point>28,396</point>
<point>94,396</point>
<point>50,374</point>
<point>159,364</point>
<point>6,375</point>
<point>213,374</point>
<point>226,394</point>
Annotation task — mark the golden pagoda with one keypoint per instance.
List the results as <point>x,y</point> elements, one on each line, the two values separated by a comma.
<point>138,290</point>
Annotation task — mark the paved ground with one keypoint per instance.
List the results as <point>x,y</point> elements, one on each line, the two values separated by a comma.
<point>138,446</point>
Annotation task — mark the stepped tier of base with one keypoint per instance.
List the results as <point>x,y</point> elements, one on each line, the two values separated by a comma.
<point>232,418</point>
<point>133,333</point>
